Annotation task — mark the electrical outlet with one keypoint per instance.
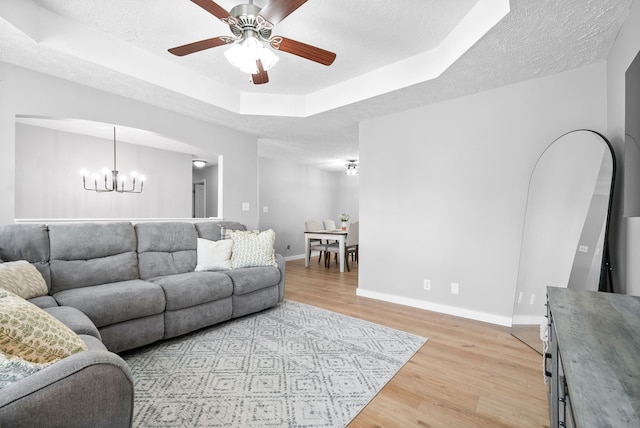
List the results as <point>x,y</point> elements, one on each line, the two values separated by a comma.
<point>246,206</point>
<point>532,299</point>
<point>427,285</point>
<point>583,249</point>
<point>455,288</point>
<point>265,209</point>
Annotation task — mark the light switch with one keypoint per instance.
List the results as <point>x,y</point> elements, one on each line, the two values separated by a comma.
<point>265,209</point>
<point>245,206</point>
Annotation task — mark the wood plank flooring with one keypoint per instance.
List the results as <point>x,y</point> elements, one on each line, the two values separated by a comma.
<point>468,374</point>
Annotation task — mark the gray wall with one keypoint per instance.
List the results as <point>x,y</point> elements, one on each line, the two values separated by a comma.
<point>49,184</point>
<point>453,193</point>
<point>295,193</point>
<point>625,232</point>
<point>30,93</point>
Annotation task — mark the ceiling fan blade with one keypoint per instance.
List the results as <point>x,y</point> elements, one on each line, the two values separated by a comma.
<point>261,76</point>
<point>213,8</point>
<point>277,10</point>
<point>200,46</point>
<point>303,50</point>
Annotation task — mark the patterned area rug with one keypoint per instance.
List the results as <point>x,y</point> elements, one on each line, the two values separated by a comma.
<point>290,366</point>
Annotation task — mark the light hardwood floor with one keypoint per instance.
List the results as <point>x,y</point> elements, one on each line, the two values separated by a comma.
<point>468,374</point>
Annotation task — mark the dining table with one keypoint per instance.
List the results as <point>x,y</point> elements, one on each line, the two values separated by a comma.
<point>325,235</point>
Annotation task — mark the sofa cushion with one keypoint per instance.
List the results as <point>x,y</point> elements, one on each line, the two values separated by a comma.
<point>194,288</point>
<point>107,304</point>
<point>87,254</point>
<point>23,279</point>
<point>30,333</point>
<point>166,248</point>
<point>252,279</point>
<point>44,302</point>
<point>213,255</point>
<point>253,249</point>
<point>77,321</point>
<point>28,242</point>
<point>70,274</point>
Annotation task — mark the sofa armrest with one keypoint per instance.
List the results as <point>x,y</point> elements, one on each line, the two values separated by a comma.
<point>281,265</point>
<point>87,389</point>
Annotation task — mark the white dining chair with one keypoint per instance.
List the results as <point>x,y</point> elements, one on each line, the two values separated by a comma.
<point>351,246</point>
<point>315,244</point>
<point>329,224</point>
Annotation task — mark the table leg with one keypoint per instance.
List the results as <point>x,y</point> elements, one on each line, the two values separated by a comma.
<point>307,251</point>
<point>341,244</point>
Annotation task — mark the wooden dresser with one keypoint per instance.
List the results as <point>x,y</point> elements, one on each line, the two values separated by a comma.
<point>593,359</point>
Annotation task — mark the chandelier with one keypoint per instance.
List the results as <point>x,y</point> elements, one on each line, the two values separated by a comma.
<point>352,167</point>
<point>114,183</point>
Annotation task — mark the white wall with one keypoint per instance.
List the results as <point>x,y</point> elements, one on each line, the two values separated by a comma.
<point>450,204</point>
<point>31,93</point>
<point>295,193</point>
<point>625,232</point>
<point>49,184</point>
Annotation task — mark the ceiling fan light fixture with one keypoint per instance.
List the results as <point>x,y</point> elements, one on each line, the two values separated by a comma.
<point>244,55</point>
<point>268,58</point>
<point>353,168</point>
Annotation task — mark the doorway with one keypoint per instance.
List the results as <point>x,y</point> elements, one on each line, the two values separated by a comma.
<point>199,206</point>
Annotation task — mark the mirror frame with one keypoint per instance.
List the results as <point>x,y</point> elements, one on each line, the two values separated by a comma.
<point>531,334</point>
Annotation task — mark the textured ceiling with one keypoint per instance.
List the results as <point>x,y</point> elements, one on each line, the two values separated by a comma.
<point>535,39</point>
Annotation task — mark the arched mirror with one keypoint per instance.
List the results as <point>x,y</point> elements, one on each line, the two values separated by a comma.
<point>565,228</point>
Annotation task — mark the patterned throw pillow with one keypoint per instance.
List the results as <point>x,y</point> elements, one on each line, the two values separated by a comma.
<point>22,278</point>
<point>12,369</point>
<point>29,333</point>
<point>253,249</point>
<point>225,232</point>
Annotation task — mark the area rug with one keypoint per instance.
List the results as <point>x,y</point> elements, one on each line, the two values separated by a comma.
<point>294,365</point>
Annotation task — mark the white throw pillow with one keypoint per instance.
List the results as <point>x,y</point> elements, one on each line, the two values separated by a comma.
<point>22,278</point>
<point>214,255</point>
<point>253,249</point>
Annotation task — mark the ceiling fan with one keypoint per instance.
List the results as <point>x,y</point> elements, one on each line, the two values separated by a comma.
<point>251,27</point>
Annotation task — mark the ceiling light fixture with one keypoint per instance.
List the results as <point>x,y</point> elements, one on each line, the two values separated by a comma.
<point>352,167</point>
<point>245,54</point>
<point>117,183</point>
<point>199,163</point>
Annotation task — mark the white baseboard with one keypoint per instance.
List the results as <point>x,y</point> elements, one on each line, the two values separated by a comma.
<point>436,307</point>
<point>296,257</point>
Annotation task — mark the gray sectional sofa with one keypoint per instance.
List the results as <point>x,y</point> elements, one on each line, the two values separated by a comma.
<point>120,286</point>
